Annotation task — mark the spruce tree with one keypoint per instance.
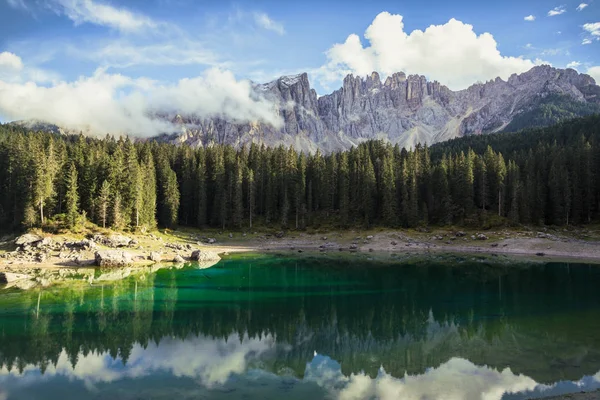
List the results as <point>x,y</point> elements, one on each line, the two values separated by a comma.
<point>104,202</point>
<point>72,197</point>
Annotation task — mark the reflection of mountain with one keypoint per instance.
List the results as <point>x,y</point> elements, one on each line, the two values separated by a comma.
<point>539,320</point>
<point>202,367</point>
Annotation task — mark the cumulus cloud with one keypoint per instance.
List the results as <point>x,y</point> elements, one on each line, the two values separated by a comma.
<point>114,103</point>
<point>586,41</point>
<point>10,62</point>
<point>557,11</point>
<point>592,28</point>
<point>263,20</point>
<point>573,64</point>
<point>451,53</point>
<point>594,72</point>
<point>581,6</point>
<point>529,18</point>
<point>89,11</point>
<point>12,69</point>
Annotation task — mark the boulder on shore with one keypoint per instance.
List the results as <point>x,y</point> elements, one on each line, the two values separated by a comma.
<point>178,259</point>
<point>205,255</point>
<point>113,240</point>
<point>28,239</point>
<point>155,256</point>
<point>113,258</point>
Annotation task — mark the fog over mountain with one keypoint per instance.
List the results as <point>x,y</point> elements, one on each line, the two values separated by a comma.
<point>400,109</point>
<point>404,110</point>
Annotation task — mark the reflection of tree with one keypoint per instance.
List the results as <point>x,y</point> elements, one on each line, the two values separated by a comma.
<point>404,317</point>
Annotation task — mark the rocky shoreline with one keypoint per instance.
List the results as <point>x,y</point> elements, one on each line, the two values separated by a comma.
<point>44,259</point>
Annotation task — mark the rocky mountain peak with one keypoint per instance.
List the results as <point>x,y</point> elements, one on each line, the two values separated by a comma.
<point>404,110</point>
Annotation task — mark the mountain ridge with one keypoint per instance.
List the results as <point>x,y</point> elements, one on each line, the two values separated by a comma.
<point>402,109</point>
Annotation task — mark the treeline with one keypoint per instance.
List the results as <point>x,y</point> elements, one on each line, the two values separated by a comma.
<point>544,176</point>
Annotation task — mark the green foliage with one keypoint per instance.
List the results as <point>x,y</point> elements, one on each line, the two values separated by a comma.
<point>72,197</point>
<point>542,176</point>
<point>551,110</point>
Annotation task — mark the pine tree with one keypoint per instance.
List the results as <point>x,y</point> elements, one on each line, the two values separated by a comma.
<point>148,197</point>
<point>238,195</point>
<point>168,199</point>
<point>388,188</point>
<point>201,187</point>
<point>344,189</point>
<point>251,194</point>
<point>118,222</point>
<point>46,169</point>
<point>104,202</point>
<point>72,197</point>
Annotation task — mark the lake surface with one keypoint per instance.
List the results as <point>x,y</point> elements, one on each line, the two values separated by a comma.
<point>310,327</point>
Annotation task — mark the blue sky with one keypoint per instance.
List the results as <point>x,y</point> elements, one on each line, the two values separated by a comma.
<point>111,54</point>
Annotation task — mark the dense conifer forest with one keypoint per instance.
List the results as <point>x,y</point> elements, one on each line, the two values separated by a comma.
<point>540,176</point>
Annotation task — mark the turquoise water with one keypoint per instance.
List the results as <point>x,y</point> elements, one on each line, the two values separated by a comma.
<point>317,326</point>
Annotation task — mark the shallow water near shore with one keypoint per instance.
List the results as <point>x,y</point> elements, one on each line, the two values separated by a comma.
<point>280,326</point>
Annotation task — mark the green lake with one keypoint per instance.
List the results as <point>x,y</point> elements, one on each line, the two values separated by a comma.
<point>309,327</point>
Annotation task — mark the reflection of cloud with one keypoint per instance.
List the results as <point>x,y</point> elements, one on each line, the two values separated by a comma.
<point>210,361</point>
<point>456,379</point>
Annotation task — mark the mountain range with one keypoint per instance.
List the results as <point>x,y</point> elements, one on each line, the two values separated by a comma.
<point>401,109</point>
<point>406,110</point>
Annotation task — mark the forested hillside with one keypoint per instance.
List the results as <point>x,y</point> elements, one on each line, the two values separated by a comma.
<point>542,176</point>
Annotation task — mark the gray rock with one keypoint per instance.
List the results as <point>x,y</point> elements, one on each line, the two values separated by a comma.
<point>155,256</point>
<point>211,241</point>
<point>114,241</point>
<point>118,241</point>
<point>84,244</point>
<point>113,258</point>
<point>204,255</point>
<point>178,259</point>
<point>407,109</point>
<point>28,239</point>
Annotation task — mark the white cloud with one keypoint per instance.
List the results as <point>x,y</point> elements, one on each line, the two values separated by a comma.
<point>10,62</point>
<point>264,21</point>
<point>477,382</point>
<point>13,70</point>
<point>586,41</point>
<point>573,64</point>
<point>557,11</point>
<point>82,11</point>
<point>451,53</point>
<point>594,72</point>
<point>221,358</point>
<point>582,6</point>
<point>593,28</point>
<point>529,18</point>
<point>114,103</point>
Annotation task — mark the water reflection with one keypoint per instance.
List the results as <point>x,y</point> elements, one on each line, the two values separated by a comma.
<point>215,367</point>
<point>258,328</point>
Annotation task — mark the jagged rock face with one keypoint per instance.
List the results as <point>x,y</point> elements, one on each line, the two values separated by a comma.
<point>403,110</point>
